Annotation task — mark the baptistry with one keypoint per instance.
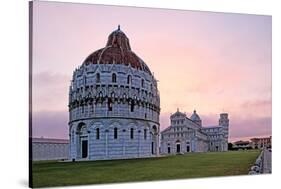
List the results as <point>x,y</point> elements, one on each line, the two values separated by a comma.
<point>114,105</point>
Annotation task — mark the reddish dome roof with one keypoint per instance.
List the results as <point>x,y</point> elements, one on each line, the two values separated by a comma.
<point>118,51</point>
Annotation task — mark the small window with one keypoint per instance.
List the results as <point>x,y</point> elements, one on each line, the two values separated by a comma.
<point>97,133</point>
<point>132,107</point>
<point>113,78</point>
<point>115,133</point>
<point>132,133</point>
<point>142,83</point>
<point>145,134</point>
<point>109,104</point>
<point>98,78</point>
<point>129,79</point>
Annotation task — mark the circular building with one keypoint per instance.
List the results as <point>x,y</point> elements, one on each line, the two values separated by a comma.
<point>114,105</point>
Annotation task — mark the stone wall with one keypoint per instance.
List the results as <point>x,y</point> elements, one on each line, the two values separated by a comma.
<point>48,150</point>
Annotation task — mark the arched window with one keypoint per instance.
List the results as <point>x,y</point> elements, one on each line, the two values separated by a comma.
<point>100,94</point>
<point>142,83</point>
<point>132,133</point>
<point>97,133</point>
<point>132,106</point>
<point>98,78</point>
<point>115,133</point>
<point>113,78</point>
<point>145,134</point>
<point>109,104</point>
<point>129,79</point>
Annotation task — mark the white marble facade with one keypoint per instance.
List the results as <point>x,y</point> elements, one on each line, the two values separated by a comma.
<point>114,105</point>
<point>188,135</point>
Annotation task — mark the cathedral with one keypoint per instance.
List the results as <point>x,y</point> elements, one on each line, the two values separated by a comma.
<point>188,135</point>
<point>114,105</point>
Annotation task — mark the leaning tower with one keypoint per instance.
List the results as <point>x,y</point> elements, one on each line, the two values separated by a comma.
<point>224,122</point>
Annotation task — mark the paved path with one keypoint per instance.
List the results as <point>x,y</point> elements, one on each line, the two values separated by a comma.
<point>267,161</point>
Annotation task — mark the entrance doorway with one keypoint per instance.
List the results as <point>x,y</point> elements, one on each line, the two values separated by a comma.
<point>169,150</point>
<point>84,148</point>
<point>178,148</point>
<point>152,148</point>
<point>187,149</point>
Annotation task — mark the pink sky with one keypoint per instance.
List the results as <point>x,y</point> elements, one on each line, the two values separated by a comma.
<point>211,62</point>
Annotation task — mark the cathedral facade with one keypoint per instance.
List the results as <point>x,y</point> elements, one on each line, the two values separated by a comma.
<point>188,135</point>
<point>114,105</point>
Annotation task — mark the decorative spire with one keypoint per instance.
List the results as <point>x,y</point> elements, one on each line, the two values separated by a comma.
<point>119,27</point>
<point>177,109</point>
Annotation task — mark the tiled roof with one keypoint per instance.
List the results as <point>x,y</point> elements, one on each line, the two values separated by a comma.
<point>117,51</point>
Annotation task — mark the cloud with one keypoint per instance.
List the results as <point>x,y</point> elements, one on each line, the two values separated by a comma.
<point>164,120</point>
<point>265,105</point>
<point>49,78</point>
<point>50,91</point>
<point>251,126</point>
<point>50,124</point>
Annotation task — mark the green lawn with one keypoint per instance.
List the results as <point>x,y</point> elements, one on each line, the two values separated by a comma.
<point>162,168</point>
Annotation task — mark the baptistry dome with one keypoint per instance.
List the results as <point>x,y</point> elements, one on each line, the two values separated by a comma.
<point>114,105</point>
<point>117,51</point>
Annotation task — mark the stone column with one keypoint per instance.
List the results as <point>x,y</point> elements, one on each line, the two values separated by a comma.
<point>139,132</point>
<point>106,143</point>
<point>124,135</point>
<point>76,145</point>
<point>157,143</point>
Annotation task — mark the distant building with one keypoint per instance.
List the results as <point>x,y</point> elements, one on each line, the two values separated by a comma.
<point>49,149</point>
<point>241,145</point>
<point>188,135</point>
<point>258,143</point>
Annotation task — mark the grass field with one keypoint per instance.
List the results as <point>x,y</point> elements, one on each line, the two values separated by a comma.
<point>171,167</point>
